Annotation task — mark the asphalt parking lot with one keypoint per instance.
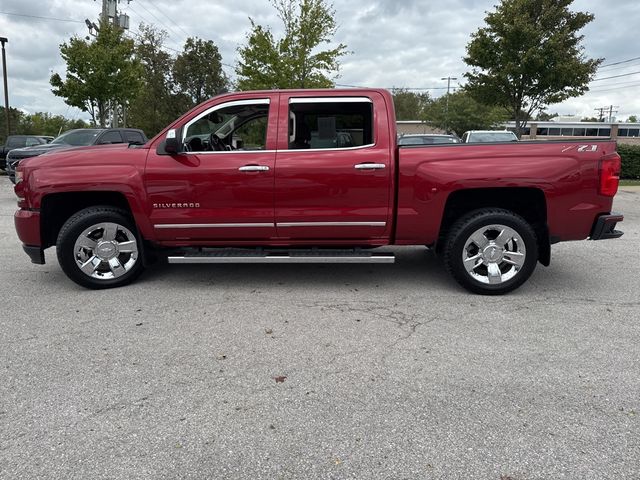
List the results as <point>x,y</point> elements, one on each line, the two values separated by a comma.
<point>318,371</point>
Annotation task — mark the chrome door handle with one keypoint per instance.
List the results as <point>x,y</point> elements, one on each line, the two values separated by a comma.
<point>370,166</point>
<point>254,168</point>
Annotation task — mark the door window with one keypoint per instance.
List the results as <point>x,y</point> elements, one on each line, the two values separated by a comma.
<point>330,123</point>
<point>234,126</point>
<point>111,137</point>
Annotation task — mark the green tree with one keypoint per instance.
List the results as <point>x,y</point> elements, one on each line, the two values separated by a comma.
<point>44,123</point>
<point>465,113</point>
<point>153,106</point>
<point>589,119</point>
<point>632,119</point>
<point>529,55</point>
<point>544,116</point>
<point>197,71</point>
<point>296,60</point>
<point>15,116</point>
<point>409,105</point>
<point>100,74</point>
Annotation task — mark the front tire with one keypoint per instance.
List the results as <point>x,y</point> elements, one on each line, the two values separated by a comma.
<point>491,251</point>
<point>99,247</point>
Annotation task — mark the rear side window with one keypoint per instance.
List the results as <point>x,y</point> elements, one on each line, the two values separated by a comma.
<point>322,123</point>
<point>134,137</point>
<point>16,142</point>
<point>33,141</point>
<point>111,137</point>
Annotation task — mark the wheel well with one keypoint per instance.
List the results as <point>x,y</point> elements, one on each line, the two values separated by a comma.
<point>56,209</point>
<point>529,203</point>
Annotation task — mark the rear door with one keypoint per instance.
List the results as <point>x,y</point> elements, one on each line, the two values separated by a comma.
<point>333,172</point>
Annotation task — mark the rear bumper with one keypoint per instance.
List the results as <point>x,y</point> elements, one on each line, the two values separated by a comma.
<point>605,227</point>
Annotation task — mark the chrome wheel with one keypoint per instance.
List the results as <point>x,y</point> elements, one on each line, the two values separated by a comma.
<point>106,251</point>
<point>494,254</point>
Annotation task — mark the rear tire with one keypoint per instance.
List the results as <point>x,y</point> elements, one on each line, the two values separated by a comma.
<point>491,251</point>
<point>99,247</point>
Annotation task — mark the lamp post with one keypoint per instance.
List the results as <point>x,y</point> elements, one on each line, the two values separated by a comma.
<point>4,40</point>
<point>446,110</point>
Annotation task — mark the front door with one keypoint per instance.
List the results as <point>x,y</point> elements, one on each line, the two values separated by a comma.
<point>221,188</point>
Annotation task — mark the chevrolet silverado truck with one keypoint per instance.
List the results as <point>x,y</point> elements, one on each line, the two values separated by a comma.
<point>303,176</point>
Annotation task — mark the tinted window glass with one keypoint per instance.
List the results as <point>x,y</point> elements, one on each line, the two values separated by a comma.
<point>543,131</point>
<point>604,132</point>
<point>554,131</point>
<point>33,141</point>
<point>236,127</point>
<point>623,132</point>
<point>133,137</point>
<point>566,132</point>
<point>578,132</point>
<point>78,138</point>
<point>16,142</point>
<point>592,132</point>
<point>330,124</point>
<point>110,137</point>
<point>634,132</point>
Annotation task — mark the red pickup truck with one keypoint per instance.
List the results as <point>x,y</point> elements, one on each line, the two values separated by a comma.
<point>301,176</point>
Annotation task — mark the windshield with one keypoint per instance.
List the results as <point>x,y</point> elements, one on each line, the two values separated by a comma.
<point>78,138</point>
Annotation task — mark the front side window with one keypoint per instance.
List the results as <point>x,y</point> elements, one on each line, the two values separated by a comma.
<point>235,126</point>
<point>323,123</point>
<point>111,137</point>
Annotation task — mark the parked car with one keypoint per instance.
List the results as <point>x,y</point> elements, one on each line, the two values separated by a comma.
<point>18,141</point>
<point>488,136</point>
<point>426,139</point>
<point>491,211</point>
<point>81,137</point>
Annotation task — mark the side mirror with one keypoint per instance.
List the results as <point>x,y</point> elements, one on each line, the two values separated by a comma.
<point>172,143</point>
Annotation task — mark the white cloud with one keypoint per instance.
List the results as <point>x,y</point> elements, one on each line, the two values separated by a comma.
<point>413,43</point>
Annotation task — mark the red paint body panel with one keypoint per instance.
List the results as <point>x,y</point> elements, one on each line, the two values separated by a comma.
<point>427,176</point>
<point>198,199</point>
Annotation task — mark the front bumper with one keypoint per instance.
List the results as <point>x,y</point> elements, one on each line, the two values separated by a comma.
<point>604,227</point>
<point>27,224</point>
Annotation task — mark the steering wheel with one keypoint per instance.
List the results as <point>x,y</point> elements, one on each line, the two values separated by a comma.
<point>216,144</point>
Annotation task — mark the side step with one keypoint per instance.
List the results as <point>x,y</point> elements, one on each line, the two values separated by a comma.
<point>227,255</point>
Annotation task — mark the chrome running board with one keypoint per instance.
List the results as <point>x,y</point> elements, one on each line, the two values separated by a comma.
<point>271,256</point>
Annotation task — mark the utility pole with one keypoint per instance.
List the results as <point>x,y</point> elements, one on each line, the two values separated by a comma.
<point>612,111</point>
<point>446,111</point>
<point>4,40</point>
<point>110,15</point>
<point>600,113</point>
<point>603,110</point>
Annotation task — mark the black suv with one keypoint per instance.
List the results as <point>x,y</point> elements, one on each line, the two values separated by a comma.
<point>81,137</point>
<point>18,141</point>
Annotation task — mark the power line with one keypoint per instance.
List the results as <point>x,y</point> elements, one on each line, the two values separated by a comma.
<point>169,29</point>
<point>615,76</point>
<point>42,18</point>
<point>163,13</point>
<point>618,63</point>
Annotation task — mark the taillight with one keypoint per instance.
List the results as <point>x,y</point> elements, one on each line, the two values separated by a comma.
<point>609,174</point>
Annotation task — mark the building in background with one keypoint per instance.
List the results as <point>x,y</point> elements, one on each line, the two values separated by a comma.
<point>628,133</point>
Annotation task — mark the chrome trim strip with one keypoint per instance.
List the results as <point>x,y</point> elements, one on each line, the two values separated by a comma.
<point>304,150</point>
<point>214,225</point>
<point>295,100</point>
<point>331,224</point>
<point>229,151</point>
<point>388,258</point>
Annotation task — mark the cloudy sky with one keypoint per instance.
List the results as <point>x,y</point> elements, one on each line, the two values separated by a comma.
<point>404,43</point>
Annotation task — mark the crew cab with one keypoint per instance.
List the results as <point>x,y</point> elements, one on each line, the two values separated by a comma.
<point>301,176</point>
